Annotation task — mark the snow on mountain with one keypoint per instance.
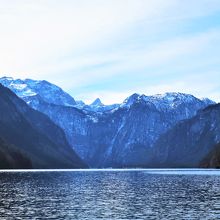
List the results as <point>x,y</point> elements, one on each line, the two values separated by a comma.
<point>41,89</point>
<point>130,100</point>
<point>117,135</point>
<point>35,91</point>
<point>95,107</point>
<point>34,135</point>
<point>165,102</point>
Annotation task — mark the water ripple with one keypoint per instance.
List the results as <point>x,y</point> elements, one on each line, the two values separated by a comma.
<point>109,195</point>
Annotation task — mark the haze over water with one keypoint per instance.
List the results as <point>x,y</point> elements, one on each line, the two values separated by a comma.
<point>111,194</point>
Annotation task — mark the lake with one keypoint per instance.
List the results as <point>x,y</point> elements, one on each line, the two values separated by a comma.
<point>110,194</point>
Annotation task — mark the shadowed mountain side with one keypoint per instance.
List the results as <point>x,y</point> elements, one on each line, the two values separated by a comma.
<point>187,143</point>
<point>35,134</point>
<point>12,158</point>
<point>212,160</point>
<point>121,135</point>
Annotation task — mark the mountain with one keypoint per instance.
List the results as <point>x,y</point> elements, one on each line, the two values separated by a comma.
<point>133,129</point>
<point>33,133</point>
<point>120,135</point>
<point>32,91</point>
<point>95,107</point>
<point>12,158</point>
<point>212,160</point>
<point>189,141</point>
<point>97,102</point>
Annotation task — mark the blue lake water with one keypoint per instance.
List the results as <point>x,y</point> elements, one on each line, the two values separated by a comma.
<point>110,194</point>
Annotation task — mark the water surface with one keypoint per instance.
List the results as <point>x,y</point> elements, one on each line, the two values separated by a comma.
<point>110,194</point>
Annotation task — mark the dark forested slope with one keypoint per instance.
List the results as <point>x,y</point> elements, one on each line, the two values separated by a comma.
<point>32,132</point>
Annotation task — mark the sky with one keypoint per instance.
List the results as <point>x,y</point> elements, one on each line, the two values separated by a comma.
<point>111,49</point>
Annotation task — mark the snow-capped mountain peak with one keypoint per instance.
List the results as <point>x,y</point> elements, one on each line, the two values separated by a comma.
<point>38,89</point>
<point>130,100</point>
<point>164,101</point>
<point>121,134</point>
<point>35,91</point>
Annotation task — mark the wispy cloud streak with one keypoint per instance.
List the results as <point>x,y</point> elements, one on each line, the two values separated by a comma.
<point>99,48</point>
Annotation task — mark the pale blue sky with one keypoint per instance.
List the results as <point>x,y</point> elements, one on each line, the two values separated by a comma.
<point>113,48</point>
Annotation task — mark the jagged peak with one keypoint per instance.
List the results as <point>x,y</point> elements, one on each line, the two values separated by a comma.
<point>208,101</point>
<point>165,100</point>
<point>131,99</point>
<point>47,91</point>
<point>97,102</point>
<point>30,87</point>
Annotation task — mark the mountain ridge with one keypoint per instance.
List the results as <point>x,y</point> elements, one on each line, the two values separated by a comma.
<point>19,87</point>
<point>34,133</point>
<point>120,135</point>
<point>190,140</point>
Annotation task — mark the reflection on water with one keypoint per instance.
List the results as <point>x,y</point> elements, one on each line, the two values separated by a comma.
<point>109,195</point>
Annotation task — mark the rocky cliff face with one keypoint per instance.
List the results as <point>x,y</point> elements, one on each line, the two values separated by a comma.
<point>127,135</point>
<point>32,132</point>
<point>187,143</point>
<point>110,136</point>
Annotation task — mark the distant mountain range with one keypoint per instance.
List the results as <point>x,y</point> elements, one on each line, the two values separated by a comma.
<point>169,130</point>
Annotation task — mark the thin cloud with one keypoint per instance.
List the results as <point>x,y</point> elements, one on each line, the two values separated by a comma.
<point>82,44</point>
